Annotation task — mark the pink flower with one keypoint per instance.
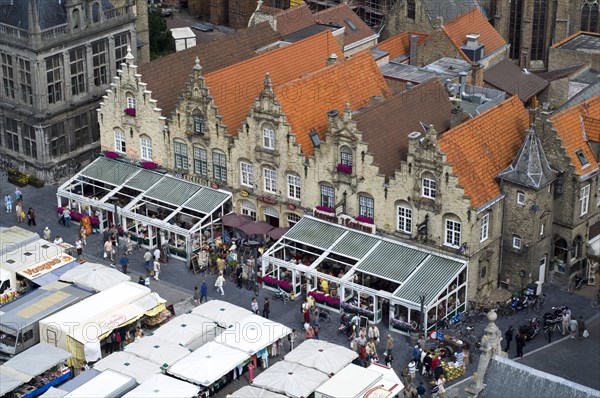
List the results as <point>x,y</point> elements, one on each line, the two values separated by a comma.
<point>111,155</point>
<point>325,209</point>
<point>149,165</point>
<point>130,111</point>
<point>344,168</point>
<point>366,220</point>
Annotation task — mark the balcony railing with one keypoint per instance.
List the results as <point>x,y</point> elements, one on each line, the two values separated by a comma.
<point>10,31</point>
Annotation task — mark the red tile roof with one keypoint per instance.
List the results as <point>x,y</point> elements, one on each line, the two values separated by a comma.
<point>235,88</point>
<point>385,126</point>
<point>482,147</point>
<point>569,126</point>
<point>293,19</point>
<point>339,16</point>
<point>356,80</point>
<point>166,77</point>
<point>400,44</point>
<point>592,127</point>
<point>473,22</point>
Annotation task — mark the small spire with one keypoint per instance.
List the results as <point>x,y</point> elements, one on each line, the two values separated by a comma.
<point>129,57</point>
<point>197,66</point>
<point>267,87</point>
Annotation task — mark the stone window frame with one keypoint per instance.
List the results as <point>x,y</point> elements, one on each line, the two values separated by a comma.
<point>484,229</point>
<point>75,18</point>
<point>95,11</point>
<point>120,142</point>
<point>411,10</point>
<point>77,68</point>
<point>11,134</point>
<point>181,156</point>
<point>268,137</point>
<point>120,47</point>
<point>8,75</point>
<point>200,160</point>
<point>146,148</point>
<point>517,242</point>
<point>219,160</point>
<point>366,206</point>
<point>346,156</point>
<point>592,7</point>
<point>198,122</point>
<point>292,219</point>
<point>54,85</point>
<point>452,231</point>
<point>100,62</point>
<point>246,173</point>
<point>130,100</point>
<point>407,217</point>
<point>584,200</point>
<point>24,69</point>
<point>324,193</point>
<point>29,140</point>
<point>428,185</point>
<point>520,198</point>
<point>294,186</point>
<point>270,179</point>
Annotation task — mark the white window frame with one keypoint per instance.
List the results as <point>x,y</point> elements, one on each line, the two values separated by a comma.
<point>268,138</point>
<point>292,219</point>
<point>366,206</point>
<point>200,161</point>
<point>584,200</point>
<point>198,123</point>
<point>120,144</point>
<point>294,186</point>
<point>520,198</point>
<point>181,155</point>
<point>145,148</point>
<point>404,219</point>
<point>270,180</point>
<point>517,242</point>
<point>325,193</point>
<point>346,157</point>
<point>130,102</point>
<point>484,231</point>
<point>247,210</point>
<point>429,188</point>
<point>246,174</point>
<point>452,233</point>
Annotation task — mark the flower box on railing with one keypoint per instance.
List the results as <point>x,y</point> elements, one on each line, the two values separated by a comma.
<point>364,220</point>
<point>360,311</point>
<point>112,155</point>
<point>149,165</point>
<point>274,283</point>
<point>130,111</point>
<point>344,168</point>
<point>325,213</point>
<point>325,299</point>
<point>401,326</point>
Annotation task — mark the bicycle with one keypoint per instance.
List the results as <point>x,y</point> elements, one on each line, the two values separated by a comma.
<point>596,300</point>
<point>538,303</point>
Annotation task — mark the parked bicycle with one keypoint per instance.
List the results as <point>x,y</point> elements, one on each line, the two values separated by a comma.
<point>577,283</point>
<point>251,282</point>
<point>281,295</point>
<point>537,303</point>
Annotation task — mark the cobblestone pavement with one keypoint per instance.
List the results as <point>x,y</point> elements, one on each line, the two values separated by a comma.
<point>177,283</point>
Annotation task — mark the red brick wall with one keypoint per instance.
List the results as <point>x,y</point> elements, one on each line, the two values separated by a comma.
<point>199,7</point>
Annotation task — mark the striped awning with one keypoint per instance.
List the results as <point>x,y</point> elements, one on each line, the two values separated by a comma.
<point>109,171</point>
<point>315,233</point>
<point>392,261</point>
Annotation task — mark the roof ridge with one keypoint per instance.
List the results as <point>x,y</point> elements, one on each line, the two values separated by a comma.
<point>460,17</point>
<point>584,104</point>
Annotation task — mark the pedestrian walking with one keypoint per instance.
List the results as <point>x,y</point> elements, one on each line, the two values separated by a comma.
<point>238,275</point>
<point>292,339</point>
<point>18,195</point>
<point>254,305</point>
<point>580,326</point>
<point>373,334</point>
<point>47,233</point>
<point>108,250</point>
<point>389,359</point>
<point>124,262</point>
<point>417,354</point>
<point>520,341</point>
<point>219,284</point>
<point>83,235</point>
<point>508,336</point>
<point>128,244</point>
<point>427,364</point>
<point>19,212</point>
<point>266,308</point>
<point>203,292</point>
<point>67,217</point>
<point>573,328</point>
<point>421,391</point>
<point>441,388</point>
<point>412,369</point>
<point>157,254</point>
<point>156,269</point>
<point>79,248</point>
<point>566,318</point>
<point>389,345</point>
<point>196,295</point>
<point>436,367</point>
<point>31,217</point>
<point>8,203</point>
<point>147,259</point>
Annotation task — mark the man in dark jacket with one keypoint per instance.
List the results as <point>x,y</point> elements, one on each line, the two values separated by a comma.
<point>520,340</point>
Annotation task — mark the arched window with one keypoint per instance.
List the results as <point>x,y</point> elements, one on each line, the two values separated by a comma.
<point>410,9</point>
<point>130,100</point>
<point>589,16</point>
<point>538,31</point>
<point>220,166</point>
<point>404,217</point>
<point>145,148</point>
<point>95,12</point>
<point>181,155</point>
<point>514,26</point>
<point>75,18</point>
<point>248,208</point>
<point>428,185</point>
<point>452,231</point>
<point>120,141</point>
<point>198,122</point>
<point>346,157</point>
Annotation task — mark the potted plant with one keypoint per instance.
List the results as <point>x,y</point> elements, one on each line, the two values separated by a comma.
<point>149,165</point>
<point>35,182</point>
<point>112,155</point>
<point>17,178</point>
<point>129,111</point>
<point>344,168</point>
<point>364,219</point>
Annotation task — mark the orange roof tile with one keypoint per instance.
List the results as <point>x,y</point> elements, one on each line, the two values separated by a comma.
<point>473,22</point>
<point>339,15</point>
<point>482,147</point>
<point>234,88</point>
<point>400,44</point>
<point>356,80</point>
<point>293,19</point>
<point>569,127</point>
<point>592,127</point>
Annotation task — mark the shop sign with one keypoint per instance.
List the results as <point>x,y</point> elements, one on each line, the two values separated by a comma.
<point>214,185</point>
<point>245,194</point>
<point>46,266</point>
<point>267,199</point>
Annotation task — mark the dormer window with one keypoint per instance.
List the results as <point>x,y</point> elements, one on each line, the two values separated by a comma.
<point>428,186</point>
<point>268,138</point>
<point>582,159</point>
<point>346,156</point>
<point>75,18</point>
<point>198,123</point>
<point>130,101</point>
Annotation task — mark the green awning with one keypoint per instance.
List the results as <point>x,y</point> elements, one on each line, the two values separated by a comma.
<point>143,180</point>
<point>315,233</point>
<point>355,245</point>
<point>391,261</point>
<point>173,191</point>
<point>109,171</point>
<point>205,200</point>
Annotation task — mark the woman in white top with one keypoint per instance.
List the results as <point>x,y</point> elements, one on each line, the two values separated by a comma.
<point>58,240</point>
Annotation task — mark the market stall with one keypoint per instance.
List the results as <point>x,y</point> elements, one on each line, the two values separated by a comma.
<point>318,354</point>
<point>224,314</point>
<point>107,384</point>
<point>187,330</point>
<point>209,363</point>
<point>291,379</point>
<point>38,368</point>
<point>77,381</point>
<point>162,386</point>
<point>95,276</point>
<point>156,208</point>
<point>129,365</point>
<point>254,392</point>
<point>253,334</point>
<point>162,352</point>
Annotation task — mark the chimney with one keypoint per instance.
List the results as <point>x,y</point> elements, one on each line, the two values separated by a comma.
<point>476,75</point>
<point>473,49</point>
<point>462,77</point>
<point>456,115</point>
<point>413,50</point>
<point>332,59</point>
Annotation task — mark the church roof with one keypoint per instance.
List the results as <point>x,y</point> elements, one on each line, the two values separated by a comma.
<point>530,168</point>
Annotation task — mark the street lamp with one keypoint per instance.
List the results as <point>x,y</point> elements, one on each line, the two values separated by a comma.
<point>422,296</point>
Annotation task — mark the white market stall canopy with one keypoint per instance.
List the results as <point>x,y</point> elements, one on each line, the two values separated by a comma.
<point>291,379</point>
<point>162,352</point>
<point>318,354</point>
<point>189,331</point>
<point>107,384</point>
<point>111,178</point>
<point>254,392</point>
<point>413,268</point>
<point>11,379</point>
<point>222,313</point>
<point>352,381</point>
<point>14,237</point>
<point>252,334</point>
<point>129,365</point>
<point>390,381</point>
<point>95,276</point>
<point>208,363</point>
<point>162,386</point>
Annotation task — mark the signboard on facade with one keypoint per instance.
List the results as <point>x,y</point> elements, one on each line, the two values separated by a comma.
<point>43,267</point>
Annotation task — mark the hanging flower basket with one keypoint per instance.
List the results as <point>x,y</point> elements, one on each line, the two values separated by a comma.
<point>149,165</point>
<point>130,111</point>
<point>344,168</point>
<point>112,155</point>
